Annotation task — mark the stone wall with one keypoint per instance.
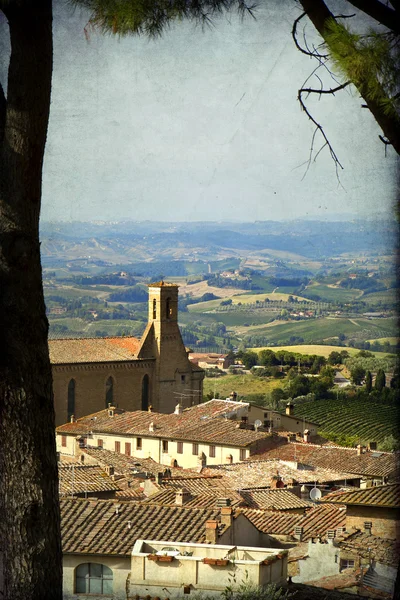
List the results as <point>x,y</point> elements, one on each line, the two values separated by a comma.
<point>90,386</point>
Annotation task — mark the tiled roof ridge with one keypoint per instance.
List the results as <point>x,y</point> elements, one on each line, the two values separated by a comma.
<point>335,447</point>
<point>103,337</point>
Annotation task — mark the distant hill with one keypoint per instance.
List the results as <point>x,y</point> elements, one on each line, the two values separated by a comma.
<point>143,241</point>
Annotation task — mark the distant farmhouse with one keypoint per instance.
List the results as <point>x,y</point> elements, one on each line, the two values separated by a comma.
<point>89,374</point>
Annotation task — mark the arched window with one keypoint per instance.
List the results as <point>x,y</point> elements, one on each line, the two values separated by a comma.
<point>93,578</point>
<point>154,308</point>
<point>168,308</point>
<point>71,399</point>
<point>109,391</point>
<point>145,393</point>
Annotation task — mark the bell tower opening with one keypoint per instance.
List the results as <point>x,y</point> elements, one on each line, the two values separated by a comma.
<point>145,392</point>
<point>154,309</point>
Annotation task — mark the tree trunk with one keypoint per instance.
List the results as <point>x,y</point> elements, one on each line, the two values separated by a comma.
<point>29,526</point>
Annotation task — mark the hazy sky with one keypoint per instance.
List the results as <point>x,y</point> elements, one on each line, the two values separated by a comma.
<point>201,126</point>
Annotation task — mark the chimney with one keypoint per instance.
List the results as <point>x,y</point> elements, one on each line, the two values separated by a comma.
<point>178,409</point>
<point>211,531</point>
<point>72,419</point>
<point>201,461</point>
<point>359,450</point>
<point>159,478</point>
<point>111,410</point>
<point>182,496</point>
<point>222,502</point>
<point>229,459</point>
<point>233,396</point>
<point>306,435</point>
<point>276,482</point>
<point>289,408</point>
<point>109,469</point>
<point>226,516</point>
<point>151,426</point>
<point>150,408</point>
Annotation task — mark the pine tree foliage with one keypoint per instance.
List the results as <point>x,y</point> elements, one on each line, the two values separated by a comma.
<point>152,17</point>
<point>371,61</point>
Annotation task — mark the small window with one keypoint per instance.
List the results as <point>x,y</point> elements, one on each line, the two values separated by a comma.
<point>212,452</point>
<point>179,447</point>
<point>138,443</point>
<point>154,308</point>
<point>99,443</point>
<point>117,446</point>
<point>346,563</point>
<point>195,449</point>
<point>63,441</point>
<point>93,578</point>
<point>165,446</point>
<point>127,449</point>
<point>183,378</point>
<point>242,454</point>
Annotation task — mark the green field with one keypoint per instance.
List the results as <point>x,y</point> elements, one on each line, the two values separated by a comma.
<point>363,420</point>
<point>317,349</point>
<point>328,328</point>
<point>386,297</point>
<point>246,386</point>
<point>248,298</point>
<point>333,294</point>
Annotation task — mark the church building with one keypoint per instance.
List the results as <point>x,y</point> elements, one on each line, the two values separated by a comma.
<point>153,372</point>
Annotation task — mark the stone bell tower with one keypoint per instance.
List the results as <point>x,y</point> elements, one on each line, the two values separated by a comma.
<point>176,378</point>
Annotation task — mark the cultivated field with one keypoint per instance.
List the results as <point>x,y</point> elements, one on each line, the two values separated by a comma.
<point>362,420</point>
<point>246,386</point>
<point>319,350</point>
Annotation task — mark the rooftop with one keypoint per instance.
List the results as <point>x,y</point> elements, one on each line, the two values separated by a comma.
<point>383,495</point>
<point>315,521</point>
<point>167,497</point>
<point>252,474</point>
<point>112,527</point>
<point>370,546</point>
<point>92,350</point>
<point>279,499</point>
<point>198,424</point>
<point>80,479</point>
<point>378,464</point>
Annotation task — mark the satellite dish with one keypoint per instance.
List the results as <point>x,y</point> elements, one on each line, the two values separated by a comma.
<point>257,424</point>
<point>315,494</point>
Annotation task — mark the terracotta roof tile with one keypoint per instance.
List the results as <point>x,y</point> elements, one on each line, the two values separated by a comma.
<point>280,499</point>
<point>167,497</point>
<point>382,495</point>
<point>129,465</point>
<point>200,423</point>
<point>315,521</point>
<point>80,479</point>
<point>372,547</point>
<point>255,474</point>
<point>378,464</point>
<point>89,350</point>
<point>110,527</point>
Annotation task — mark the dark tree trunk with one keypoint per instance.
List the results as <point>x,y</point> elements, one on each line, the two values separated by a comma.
<point>29,525</point>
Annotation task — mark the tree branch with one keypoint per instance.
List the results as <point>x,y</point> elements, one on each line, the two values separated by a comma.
<point>318,126</point>
<point>321,17</point>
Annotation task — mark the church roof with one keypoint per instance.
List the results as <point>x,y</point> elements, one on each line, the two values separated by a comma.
<point>92,350</point>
